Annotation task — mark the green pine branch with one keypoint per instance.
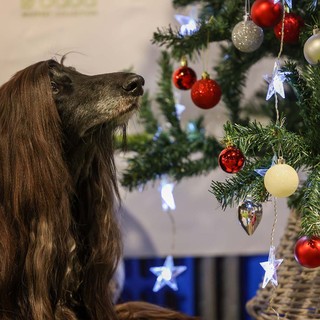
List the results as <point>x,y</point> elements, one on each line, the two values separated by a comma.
<point>147,118</point>
<point>307,90</point>
<point>168,150</point>
<point>232,191</point>
<point>184,152</point>
<point>165,96</point>
<point>300,150</point>
<point>259,144</point>
<point>308,206</point>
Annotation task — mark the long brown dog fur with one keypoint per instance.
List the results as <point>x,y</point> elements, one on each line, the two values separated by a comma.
<point>59,237</point>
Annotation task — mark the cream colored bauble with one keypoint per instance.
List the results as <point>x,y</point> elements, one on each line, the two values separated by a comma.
<point>281,180</point>
<point>311,49</point>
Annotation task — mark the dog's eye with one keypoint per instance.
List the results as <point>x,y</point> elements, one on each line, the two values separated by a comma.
<point>54,87</point>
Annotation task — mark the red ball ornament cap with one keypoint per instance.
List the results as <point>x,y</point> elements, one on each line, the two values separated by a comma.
<point>206,93</point>
<point>307,252</point>
<point>231,159</point>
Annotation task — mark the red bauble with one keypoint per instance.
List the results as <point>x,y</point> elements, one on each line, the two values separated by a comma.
<point>265,13</point>
<point>307,252</point>
<point>292,27</point>
<point>231,159</point>
<point>184,78</point>
<point>205,93</point>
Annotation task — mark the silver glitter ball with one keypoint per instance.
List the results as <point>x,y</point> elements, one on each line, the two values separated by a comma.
<point>249,215</point>
<point>247,36</point>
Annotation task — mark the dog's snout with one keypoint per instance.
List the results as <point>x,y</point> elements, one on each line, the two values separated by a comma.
<point>134,85</point>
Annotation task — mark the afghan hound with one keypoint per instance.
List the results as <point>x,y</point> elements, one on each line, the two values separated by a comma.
<point>59,237</point>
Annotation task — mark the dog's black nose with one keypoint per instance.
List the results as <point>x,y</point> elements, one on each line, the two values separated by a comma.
<point>133,85</point>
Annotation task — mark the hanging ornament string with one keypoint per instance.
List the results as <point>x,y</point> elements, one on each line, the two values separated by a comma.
<point>273,294</point>
<point>277,109</point>
<point>247,8</point>
<point>278,58</point>
<point>173,230</point>
<point>168,272</point>
<point>247,36</point>
<point>275,87</point>
<point>282,29</point>
<point>272,264</point>
<point>206,52</point>
<point>168,206</point>
<point>275,220</point>
<point>275,208</point>
<point>206,92</point>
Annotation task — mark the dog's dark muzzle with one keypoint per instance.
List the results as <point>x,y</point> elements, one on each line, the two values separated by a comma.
<point>133,85</point>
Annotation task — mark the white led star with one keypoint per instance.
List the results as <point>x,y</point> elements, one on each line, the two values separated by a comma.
<point>157,134</point>
<point>289,2</point>
<point>166,190</point>
<point>314,4</point>
<point>270,268</point>
<point>167,274</point>
<point>275,81</point>
<point>262,171</point>
<point>179,109</point>
<point>188,23</point>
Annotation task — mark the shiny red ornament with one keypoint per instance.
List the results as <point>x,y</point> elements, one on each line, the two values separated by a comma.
<point>184,77</point>
<point>206,93</point>
<point>291,28</point>
<point>231,159</point>
<point>265,13</point>
<point>307,252</point>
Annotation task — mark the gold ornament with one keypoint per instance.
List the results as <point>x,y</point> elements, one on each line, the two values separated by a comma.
<point>281,180</point>
<point>311,48</point>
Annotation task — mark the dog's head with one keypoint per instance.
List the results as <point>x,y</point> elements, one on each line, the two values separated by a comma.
<point>87,102</point>
<point>59,238</point>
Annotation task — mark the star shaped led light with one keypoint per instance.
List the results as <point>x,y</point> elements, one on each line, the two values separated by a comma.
<point>179,107</point>
<point>289,2</point>
<point>262,171</point>
<point>188,23</point>
<point>275,81</point>
<point>314,4</point>
<point>270,268</point>
<point>167,274</point>
<point>166,190</point>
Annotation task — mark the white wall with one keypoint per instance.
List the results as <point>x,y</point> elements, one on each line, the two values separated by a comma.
<point>114,35</point>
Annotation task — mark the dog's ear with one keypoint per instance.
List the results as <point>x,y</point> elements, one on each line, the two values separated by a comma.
<point>34,199</point>
<point>52,63</point>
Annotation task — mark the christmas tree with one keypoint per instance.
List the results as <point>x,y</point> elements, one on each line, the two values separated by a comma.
<point>273,152</point>
<point>292,132</point>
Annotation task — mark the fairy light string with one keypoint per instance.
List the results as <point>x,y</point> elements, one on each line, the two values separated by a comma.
<point>273,293</point>
<point>173,231</point>
<point>278,58</point>
<point>272,263</point>
<point>168,206</point>
<point>275,220</point>
<point>168,272</point>
<point>205,60</point>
